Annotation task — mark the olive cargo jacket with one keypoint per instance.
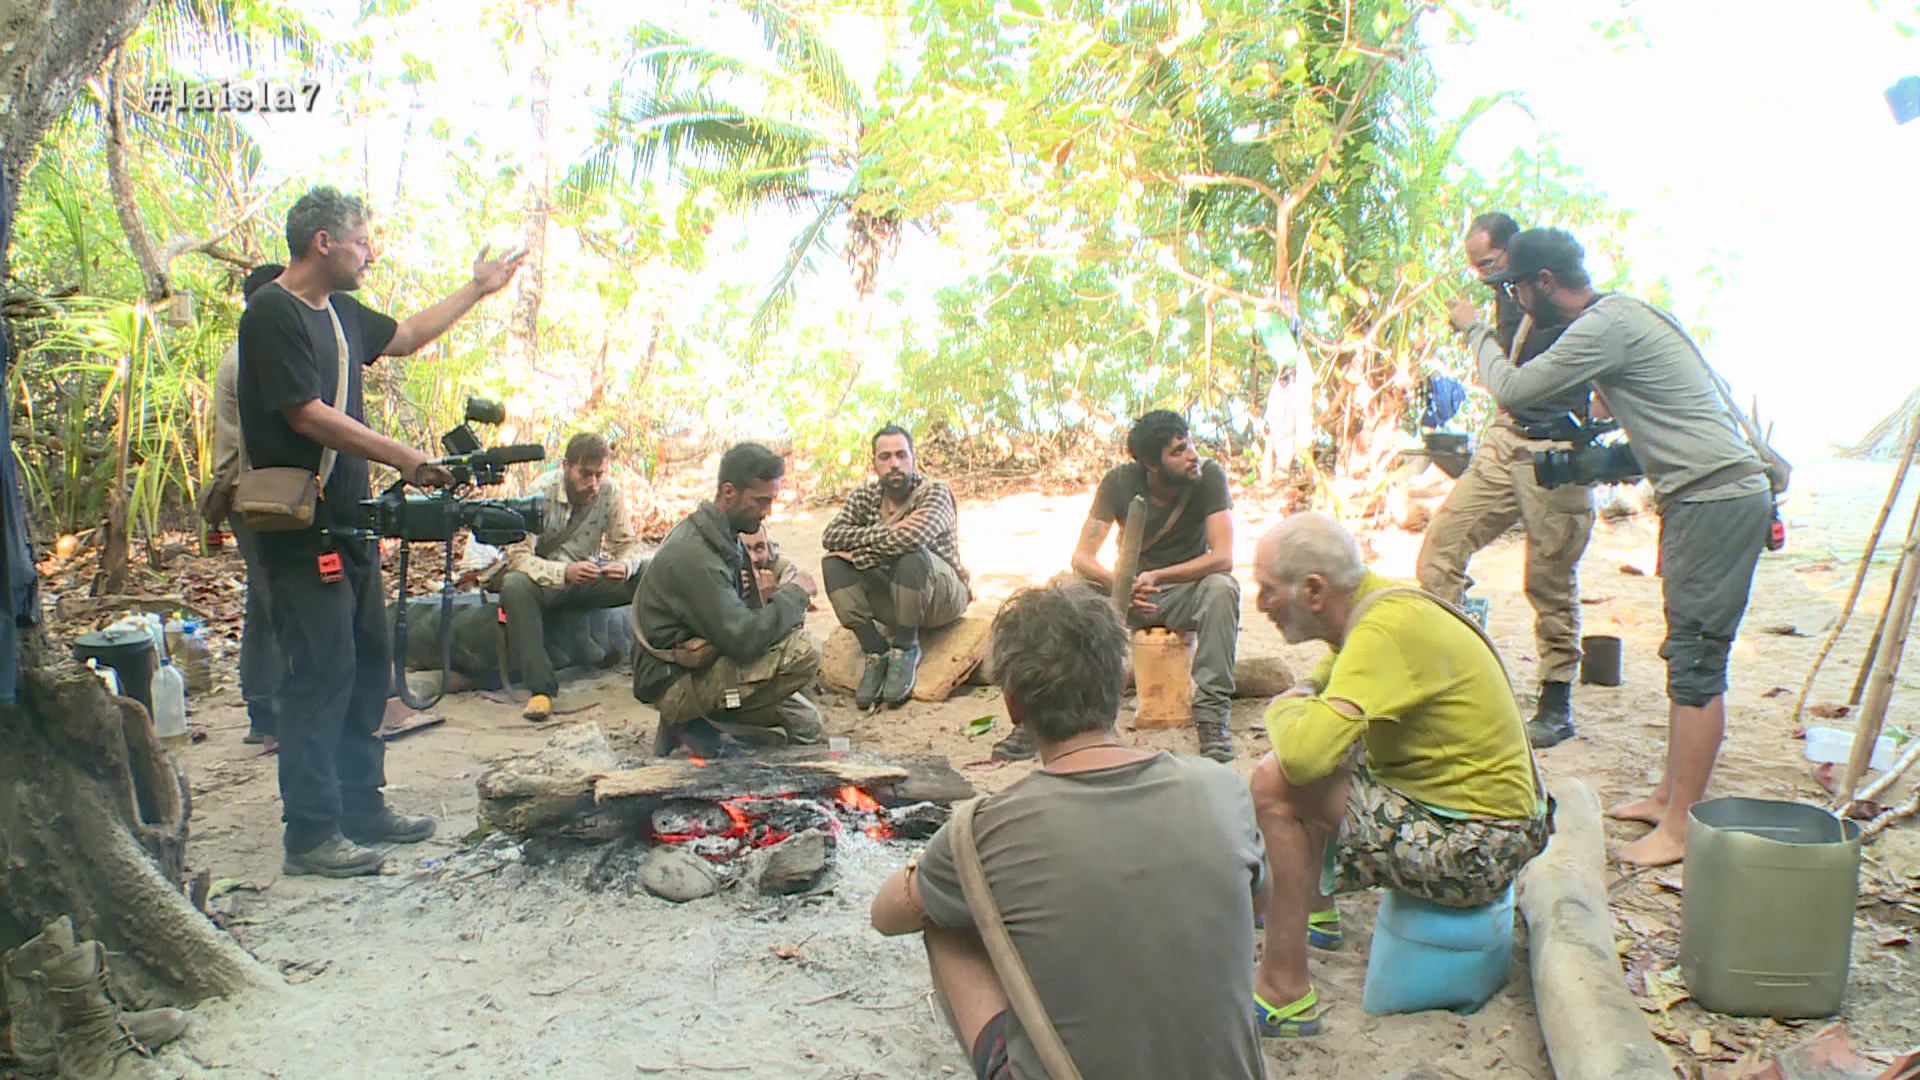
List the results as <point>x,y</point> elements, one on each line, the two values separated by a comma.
<point>691,589</point>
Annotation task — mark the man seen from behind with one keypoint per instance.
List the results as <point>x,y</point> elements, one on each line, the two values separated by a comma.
<point>1126,878</point>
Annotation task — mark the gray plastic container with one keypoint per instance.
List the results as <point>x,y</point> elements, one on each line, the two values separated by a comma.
<point>1766,918</point>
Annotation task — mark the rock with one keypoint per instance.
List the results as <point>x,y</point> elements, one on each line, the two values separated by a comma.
<point>672,874</point>
<point>919,821</point>
<point>796,864</point>
<point>1261,677</point>
<point>949,656</point>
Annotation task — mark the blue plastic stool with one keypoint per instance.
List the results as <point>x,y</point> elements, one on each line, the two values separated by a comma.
<point>1425,956</point>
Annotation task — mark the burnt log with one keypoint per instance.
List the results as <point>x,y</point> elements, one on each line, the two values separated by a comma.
<point>578,787</point>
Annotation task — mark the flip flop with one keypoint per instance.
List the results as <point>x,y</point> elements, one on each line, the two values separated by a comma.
<point>1323,930</point>
<point>1296,1021</point>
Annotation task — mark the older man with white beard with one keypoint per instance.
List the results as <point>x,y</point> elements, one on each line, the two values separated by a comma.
<point>1401,763</point>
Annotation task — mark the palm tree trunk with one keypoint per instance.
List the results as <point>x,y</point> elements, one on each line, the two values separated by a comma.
<point>523,329</point>
<point>153,275</point>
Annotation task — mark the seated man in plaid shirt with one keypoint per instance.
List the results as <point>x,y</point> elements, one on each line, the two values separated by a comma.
<point>893,567</point>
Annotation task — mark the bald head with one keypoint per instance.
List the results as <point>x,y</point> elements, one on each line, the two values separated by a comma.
<point>1309,543</point>
<point>1307,568</point>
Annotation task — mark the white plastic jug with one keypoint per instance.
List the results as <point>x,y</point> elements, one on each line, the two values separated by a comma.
<point>170,705</point>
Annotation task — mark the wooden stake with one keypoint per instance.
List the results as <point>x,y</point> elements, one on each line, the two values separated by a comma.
<point>1880,628</point>
<point>1866,563</point>
<point>1886,664</point>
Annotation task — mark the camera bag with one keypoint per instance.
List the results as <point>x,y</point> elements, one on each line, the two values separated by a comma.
<point>282,498</point>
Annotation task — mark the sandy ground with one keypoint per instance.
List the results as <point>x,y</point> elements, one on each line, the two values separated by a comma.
<point>473,963</point>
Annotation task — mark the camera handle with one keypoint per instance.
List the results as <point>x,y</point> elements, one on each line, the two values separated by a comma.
<point>446,633</point>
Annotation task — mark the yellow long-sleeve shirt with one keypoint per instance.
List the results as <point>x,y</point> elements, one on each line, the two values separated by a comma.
<point>1440,722</point>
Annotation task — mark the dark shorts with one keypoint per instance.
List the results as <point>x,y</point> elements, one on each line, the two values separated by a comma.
<point>990,1050</point>
<point>1708,554</point>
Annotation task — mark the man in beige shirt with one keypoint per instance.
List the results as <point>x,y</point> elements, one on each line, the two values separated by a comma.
<point>259,656</point>
<point>585,558</point>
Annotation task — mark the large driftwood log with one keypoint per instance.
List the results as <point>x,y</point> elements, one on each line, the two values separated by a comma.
<point>949,655</point>
<point>93,824</point>
<point>1593,1029</point>
<point>579,788</point>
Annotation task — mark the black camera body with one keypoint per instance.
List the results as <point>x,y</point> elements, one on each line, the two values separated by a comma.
<point>440,516</point>
<point>1589,461</point>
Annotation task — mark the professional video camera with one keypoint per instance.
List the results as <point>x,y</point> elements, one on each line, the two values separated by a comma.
<point>1590,461</point>
<point>441,515</point>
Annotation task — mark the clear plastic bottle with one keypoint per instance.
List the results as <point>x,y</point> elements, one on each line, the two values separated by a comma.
<point>169,692</point>
<point>190,651</point>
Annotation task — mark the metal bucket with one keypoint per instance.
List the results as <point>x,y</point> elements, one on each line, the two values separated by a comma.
<point>1766,918</point>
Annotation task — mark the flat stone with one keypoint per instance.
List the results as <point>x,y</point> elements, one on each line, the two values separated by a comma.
<point>796,864</point>
<point>672,874</point>
<point>919,821</point>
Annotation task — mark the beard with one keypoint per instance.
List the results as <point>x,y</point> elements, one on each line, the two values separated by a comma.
<point>1297,624</point>
<point>896,482</point>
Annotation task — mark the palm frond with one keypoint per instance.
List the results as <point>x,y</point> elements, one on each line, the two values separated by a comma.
<point>803,255</point>
<point>810,60</point>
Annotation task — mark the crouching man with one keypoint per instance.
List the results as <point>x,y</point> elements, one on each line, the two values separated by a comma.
<point>582,560</point>
<point>709,643</point>
<point>893,567</point>
<point>1126,878</point>
<point>1403,764</point>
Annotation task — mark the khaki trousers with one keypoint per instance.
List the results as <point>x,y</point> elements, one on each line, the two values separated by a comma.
<point>1497,490</point>
<point>769,691</point>
<point>879,596</point>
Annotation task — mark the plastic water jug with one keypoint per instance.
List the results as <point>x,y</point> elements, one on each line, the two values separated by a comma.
<point>1426,956</point>
<point>170,705</point>
<point>1766,921</point>
<point>188,647</point>
<point>1163,678</point>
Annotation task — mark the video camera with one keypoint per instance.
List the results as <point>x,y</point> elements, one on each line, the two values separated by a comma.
<point>1589,461</point>
<point>442,515</point>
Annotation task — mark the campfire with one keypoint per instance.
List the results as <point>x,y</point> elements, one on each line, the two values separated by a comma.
<point>693,826</point>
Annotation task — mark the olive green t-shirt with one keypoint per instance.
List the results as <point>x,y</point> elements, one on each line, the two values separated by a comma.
<point>1439,719</point>
<point>1128,893</point>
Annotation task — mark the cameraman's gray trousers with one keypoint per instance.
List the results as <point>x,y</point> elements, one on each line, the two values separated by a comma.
<point>1497,490</point>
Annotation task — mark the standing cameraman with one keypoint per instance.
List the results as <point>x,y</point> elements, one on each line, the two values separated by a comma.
<point>1499,488</point>
<point>327,607</point>
<point>1710,481</point>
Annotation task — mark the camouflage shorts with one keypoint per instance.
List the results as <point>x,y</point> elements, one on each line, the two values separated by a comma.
<point>1392,842</point>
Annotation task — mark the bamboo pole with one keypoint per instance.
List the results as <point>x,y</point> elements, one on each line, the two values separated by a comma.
<point>1893,643</point>
<point>1866,564</point>
<point>1900,585</point>
<point>1891,776</point>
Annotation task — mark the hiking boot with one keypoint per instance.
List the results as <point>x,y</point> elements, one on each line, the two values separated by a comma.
<point>1015,747</point>
<point>336,857</point>
<point>387,827</point>
<point>1215,743</point>
<point>91,1040</point>
<point>903,665</point>
<point>33,1019</point>
<point>1552,722</point>
<point>871,681</point>
<point>539,709</point>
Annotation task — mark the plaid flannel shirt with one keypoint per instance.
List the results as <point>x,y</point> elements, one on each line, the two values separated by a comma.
<point>861,527</point>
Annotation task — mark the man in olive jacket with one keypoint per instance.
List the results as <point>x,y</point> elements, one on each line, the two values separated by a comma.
<point>707,642</point>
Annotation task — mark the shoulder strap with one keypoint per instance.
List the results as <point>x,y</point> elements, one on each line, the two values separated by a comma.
<point>1173,518</point>
<point>328,455</point>
<point>1754,437</point>
<point>1353,619</point>
<point>1021,995</point>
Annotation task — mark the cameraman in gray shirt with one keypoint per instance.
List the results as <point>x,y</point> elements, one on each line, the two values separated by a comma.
<point>1712,484</point>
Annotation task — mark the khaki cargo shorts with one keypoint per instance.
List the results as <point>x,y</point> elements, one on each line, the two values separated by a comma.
<point>1389,841</point>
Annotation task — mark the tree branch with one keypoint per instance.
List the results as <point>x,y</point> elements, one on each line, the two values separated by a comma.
<point>182,245</point>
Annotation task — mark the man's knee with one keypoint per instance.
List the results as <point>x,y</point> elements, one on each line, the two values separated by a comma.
<point>912,569</point>
<point>516,587</point>
<point>1696,668</point>
<point>1268,784</point>
<point>1219,591</point>
<point>838,573</point>
<point>800,654</point>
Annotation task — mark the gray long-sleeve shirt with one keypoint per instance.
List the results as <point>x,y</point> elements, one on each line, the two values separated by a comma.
<point>1655,385</point>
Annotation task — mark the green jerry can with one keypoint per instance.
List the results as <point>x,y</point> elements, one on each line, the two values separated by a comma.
<point>1766,915</point>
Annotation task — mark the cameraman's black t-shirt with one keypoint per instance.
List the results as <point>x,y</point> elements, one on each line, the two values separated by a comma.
<point>288,355</point>
<point>1507,317</point>
<point>1188,537</point>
